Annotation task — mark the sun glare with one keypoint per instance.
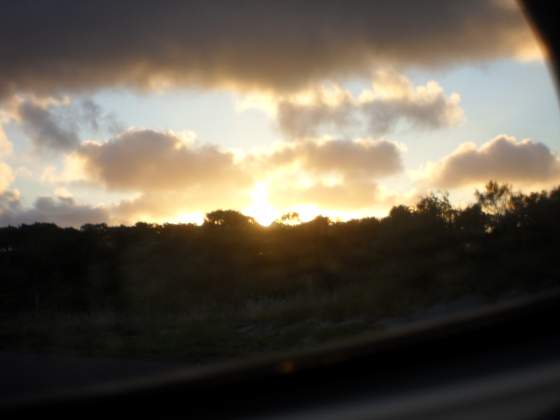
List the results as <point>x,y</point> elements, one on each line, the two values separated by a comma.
<point>306,212</point>
<point>260,209</point>
<point>195,218</point>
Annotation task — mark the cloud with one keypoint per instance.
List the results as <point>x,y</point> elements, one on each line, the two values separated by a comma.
<point>504,158</point>
<point>66,46</point>
<point>171,173</point>
<point>6,172</point>
<point>351,195</point>
<point>392,99</point>
<point>6,176</point>
<point>54,124</point>
<point>44,128</point>
<point>148,160</point>
<point>362,158</point>
<point>92,115</point>
<point>5,117</point>
<point>174,175</point>
<point>333,174</point>
<point>167,206</point>
<point>5,144</point>
<point>63,211</point>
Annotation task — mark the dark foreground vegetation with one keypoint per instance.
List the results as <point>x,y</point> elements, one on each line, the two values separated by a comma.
<point>232,288</point>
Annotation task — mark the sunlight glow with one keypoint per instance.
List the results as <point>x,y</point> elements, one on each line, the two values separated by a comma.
<point>260,209</point>
<point>194,218</point>
<point>307,212</point>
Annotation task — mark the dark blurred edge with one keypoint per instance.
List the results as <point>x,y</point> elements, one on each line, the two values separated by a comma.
<point>510,336</point>
<point>542,16</point>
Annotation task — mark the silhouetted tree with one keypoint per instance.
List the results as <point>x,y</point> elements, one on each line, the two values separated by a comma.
<point>495,199</point>
<point>230,218</point>
<point>505,241</point>
<point>290,218</point>
<point>436,207</point>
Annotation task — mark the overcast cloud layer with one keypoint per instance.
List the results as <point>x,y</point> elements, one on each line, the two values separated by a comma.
<point>69,45</point>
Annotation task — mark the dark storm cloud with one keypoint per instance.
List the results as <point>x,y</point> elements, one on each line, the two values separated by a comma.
<point>49,46</point>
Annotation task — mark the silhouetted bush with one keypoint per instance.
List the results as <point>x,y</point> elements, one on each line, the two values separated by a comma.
<point>506,242</point>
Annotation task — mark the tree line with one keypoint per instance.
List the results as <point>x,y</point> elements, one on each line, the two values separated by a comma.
<point>504,242</point>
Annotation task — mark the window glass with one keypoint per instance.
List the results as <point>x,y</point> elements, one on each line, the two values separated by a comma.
<point>203,181</point>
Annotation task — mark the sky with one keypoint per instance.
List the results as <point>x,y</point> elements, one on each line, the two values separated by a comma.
<point>163,111</point>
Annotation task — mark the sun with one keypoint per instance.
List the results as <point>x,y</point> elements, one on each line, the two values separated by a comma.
<point>260,209</point>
